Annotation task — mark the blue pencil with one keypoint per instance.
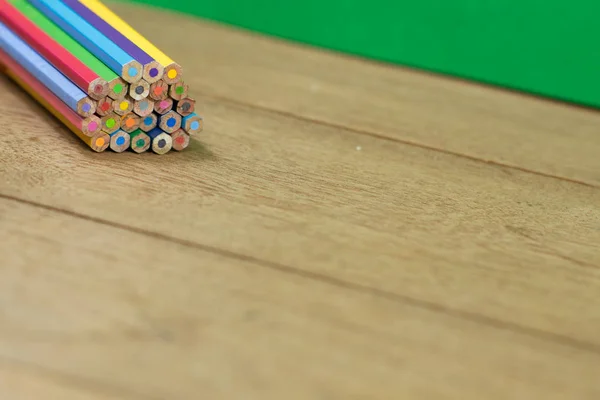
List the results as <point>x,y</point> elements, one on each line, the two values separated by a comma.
<point>148,123</point>
<point>192,124</point>
<point>76,99</point>
<point>169,122</point>
<point>93,40</point>
<point>161,141</point>
<point>119,141</point>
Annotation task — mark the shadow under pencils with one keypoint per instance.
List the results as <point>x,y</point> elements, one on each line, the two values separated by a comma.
<point>198,151</point>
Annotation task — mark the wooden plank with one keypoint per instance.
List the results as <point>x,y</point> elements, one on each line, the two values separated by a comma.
<point>491,244</point>
<point>19,381</point>
<point>468,119</point>
<point>137,317</point>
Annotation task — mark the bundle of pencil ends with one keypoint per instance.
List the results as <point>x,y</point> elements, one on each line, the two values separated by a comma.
<point>102,79</point>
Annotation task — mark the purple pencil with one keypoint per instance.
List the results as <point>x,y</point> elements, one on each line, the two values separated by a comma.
<point>153,71</point>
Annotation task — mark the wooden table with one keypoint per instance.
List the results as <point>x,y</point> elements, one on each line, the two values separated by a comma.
<point>340,230</point>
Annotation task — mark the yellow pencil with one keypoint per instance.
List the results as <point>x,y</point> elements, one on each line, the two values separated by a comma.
<point>173,71</point>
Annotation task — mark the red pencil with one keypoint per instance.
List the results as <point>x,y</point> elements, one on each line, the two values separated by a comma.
<point>86,79</point>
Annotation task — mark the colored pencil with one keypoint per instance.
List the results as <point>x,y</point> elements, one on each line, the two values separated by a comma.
<point>159,91</point>
<point>119,141</point>
<point>96,74</point>
<point>149,122</point>
<point>118,89</point>
<point>104,107</point>
<point>123,106</point>
<point>172,70</point>
<point>92,39</point>
<point>144,107</point>
<point>110,123</point>
<point>161,141</point>
<point>178,91</point>
<point>37,66</point>
<point>86,79</point>
<point>181,140</point>
<point>169,122</point>
<point>87,129</point>
<point>152,70</point>
<point>130,122</point>
<point>192,124</point>
<point>186,106</point>
<point>140,141</point>
<point>163,106</point>
<point>139,90</point>
<point>117,86</point>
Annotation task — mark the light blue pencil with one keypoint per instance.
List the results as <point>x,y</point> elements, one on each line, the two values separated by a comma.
<point>76,99</point>
<point>192,124</point>
<point>92,39</point>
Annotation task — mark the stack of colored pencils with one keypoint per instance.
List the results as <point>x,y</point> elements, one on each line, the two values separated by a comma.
<point>106,82</point>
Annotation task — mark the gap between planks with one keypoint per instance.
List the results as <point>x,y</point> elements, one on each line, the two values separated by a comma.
<point>339,283</point>
<point>163,343</point>
<point>381,136</point>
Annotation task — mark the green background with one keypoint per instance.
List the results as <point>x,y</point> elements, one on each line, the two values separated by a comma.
<point>545,47</point>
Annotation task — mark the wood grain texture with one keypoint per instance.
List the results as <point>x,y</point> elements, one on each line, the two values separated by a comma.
<point>23,381</point>
<point>427,227</point>
<point>196,324</point>
<point>283,257</point>
<point>384,101</point>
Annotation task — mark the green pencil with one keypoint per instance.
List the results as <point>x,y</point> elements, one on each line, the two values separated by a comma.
<point>140,141</point>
